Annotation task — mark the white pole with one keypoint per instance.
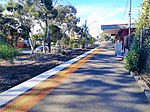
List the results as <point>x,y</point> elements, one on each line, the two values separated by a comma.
<point>130,17</point>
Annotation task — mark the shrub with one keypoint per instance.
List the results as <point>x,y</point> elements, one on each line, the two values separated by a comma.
<point>131,60</point>
<point>7,52</point>
<point>2,38</point>
<point>75,45</point>
<point>135,44</point>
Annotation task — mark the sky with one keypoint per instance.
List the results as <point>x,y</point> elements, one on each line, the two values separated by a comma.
<point>102,12</point>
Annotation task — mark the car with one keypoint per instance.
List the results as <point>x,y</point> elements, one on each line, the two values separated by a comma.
<point>40,49</point>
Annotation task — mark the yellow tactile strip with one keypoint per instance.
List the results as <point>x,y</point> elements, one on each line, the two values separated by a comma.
<point>27,100</point>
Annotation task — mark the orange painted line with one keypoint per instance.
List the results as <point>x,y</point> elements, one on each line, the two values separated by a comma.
<point>30,98</point>
<point>35,97</point>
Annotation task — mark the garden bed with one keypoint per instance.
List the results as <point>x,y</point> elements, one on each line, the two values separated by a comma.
<point>29,66</point>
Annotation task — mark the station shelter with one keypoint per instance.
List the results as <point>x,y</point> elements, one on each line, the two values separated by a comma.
<point>119,32</point>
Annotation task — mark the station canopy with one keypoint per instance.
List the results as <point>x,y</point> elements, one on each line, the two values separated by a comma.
<point>112,30</point>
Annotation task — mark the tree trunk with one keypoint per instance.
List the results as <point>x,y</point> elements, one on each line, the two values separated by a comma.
<point>31,45</point>
<point>47,36</point>
<point>16,41</point>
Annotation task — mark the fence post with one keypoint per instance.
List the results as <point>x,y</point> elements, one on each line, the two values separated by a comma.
<point>140,51</point>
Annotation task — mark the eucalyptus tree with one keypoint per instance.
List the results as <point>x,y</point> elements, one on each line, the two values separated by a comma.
<point>67,15</point>
<point>1,23</point>
<point>1,19</point>
<point>10,25</point>
<point>1,15</point>
<point>44,12</point>
<point>25,19</point>
<point>15,22</point>
<point>7,52</point>
<point>55,32</point>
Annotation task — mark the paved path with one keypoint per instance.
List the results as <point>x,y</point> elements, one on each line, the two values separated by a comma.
<point>100,85</point>
<point>97,84</point>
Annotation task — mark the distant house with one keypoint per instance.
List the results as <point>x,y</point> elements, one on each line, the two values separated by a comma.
<point>23,44</point>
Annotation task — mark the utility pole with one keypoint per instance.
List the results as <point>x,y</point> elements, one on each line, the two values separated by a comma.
<point>129,35</point>
<point>130,17</point>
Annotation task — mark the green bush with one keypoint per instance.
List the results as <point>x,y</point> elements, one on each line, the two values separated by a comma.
<point>135,44</point>
<point>7,52</point>
<point>75,45</point>
<point>131,60</point>
<point>2,38</point>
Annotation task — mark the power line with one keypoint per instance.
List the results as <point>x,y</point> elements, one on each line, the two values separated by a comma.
<point>127,3</point>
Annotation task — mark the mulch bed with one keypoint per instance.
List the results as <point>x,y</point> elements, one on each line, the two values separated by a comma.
<point>29,66</point>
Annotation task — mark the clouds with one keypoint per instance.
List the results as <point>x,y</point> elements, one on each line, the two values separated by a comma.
<point>101,14</point>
